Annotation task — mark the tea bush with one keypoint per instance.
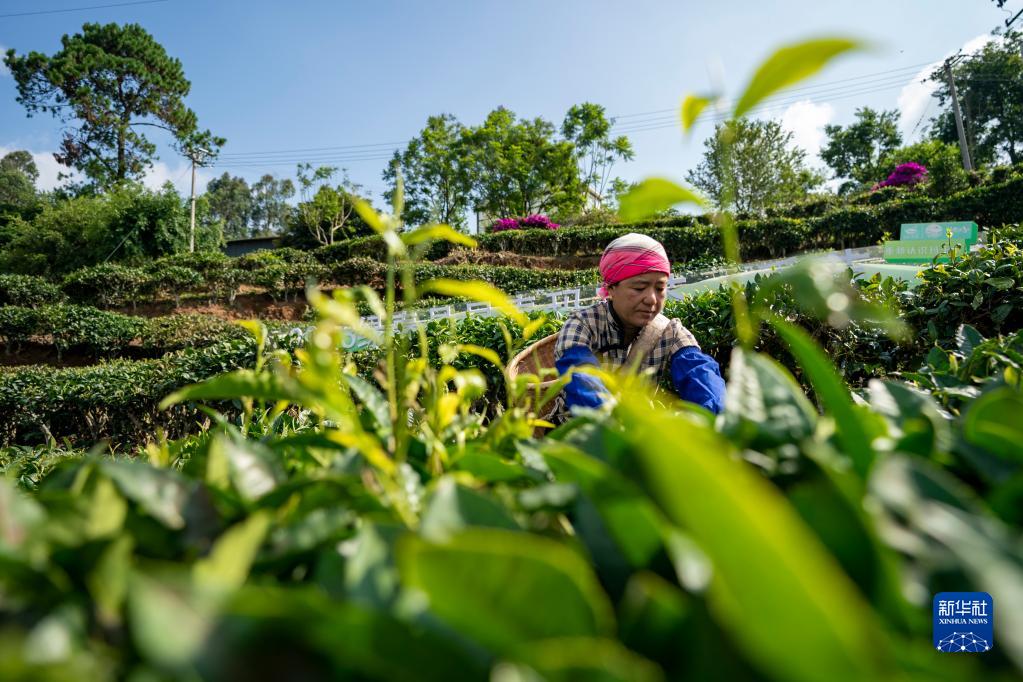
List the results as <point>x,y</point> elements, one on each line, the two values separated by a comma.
<point>104,334</point>
<point>28,290</point>
<point>109,285</point>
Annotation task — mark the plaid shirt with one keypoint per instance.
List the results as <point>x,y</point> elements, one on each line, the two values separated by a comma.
<point>598,329</point>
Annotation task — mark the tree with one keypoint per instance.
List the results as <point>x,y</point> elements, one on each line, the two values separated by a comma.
<point>519,168</point>
<point>230,200</point>
<point>270,209</point>
<point>110,81</point>
<point>750,164</point>
<point>435,174</point>
<point>329,213</point>
<point>945,173</point>
<point>589,129</point>
<point>18,174</point>
<point>22,162</point>
<point>855,152</point>
<point>990,89</point>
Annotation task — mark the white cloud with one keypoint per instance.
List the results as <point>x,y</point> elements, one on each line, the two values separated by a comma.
<point>806,121</point>
<point>179,174</point>
<point>915,97</point>
<point>47,165</point>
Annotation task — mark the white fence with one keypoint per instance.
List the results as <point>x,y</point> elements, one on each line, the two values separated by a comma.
<point>561,300</point>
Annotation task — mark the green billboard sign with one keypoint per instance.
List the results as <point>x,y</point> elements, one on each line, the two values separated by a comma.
<point>966,231</point>
<point>920,250</point>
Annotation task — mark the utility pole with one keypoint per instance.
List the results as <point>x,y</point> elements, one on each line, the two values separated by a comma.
<point>963,146</point>
<point>191,232</point>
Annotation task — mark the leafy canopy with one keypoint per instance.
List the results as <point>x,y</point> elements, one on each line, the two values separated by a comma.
<point>856,152</point>
<point>990,89</point>
<point>750,164</point>
<point>108,82</point>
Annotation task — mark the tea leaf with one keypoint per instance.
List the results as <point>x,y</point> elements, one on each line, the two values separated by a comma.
<point>375,402</point>
<point>454,508</point>
<point>485,353</point>
<point>653,195</point>
<point>254,469</point>
<point>162,493</point>
<point>993,421</point>
<point>228,563</point>
<point>832,392</point>
<point>476,291</point>
<point>692,107</point>
<point>445,233</point>
<point>764,406</point>
<point>774,586</point>
<point>788,66</point>
<point>491,583</point>
<point>241,383</point>
<point>395,246</point>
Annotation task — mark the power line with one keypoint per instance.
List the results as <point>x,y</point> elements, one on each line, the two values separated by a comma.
<point>78,9</point>
<point>382,151</point>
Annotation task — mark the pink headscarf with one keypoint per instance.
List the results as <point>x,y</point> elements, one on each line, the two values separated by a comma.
<point>630,255</point>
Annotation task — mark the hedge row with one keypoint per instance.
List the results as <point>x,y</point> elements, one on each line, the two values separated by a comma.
<point>104,334</point>
<point>219,277</point>
<point>117,400</point>
<point>355,271</point>
<point>689,238</point>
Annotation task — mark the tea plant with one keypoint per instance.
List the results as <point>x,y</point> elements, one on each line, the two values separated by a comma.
<point>379,529</point>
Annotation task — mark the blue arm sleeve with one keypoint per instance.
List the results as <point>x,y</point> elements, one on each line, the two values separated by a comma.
<point>583,390</point>
<point>697,379</point>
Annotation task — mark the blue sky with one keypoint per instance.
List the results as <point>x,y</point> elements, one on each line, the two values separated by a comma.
<point>347,82</point>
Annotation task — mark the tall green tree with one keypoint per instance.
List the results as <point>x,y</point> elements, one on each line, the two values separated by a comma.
<point>434,171</point>
<point>327,211</point>
<point>587,126</point>
<point>18,174</point>
<point>230,200</point>
<point>270,209</point>
<point>856,152</point>
<point>108,83</point>
<point>990,89</point>
<point>749,164</point>
<point>520,167</point>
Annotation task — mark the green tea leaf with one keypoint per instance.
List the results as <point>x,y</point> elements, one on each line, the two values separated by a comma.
<point>491,584</point>
<point>254,469</point>
<point>994,421</point>
<point>241,383</point>
<point>428,233</point>
<point>169,621</point>
<point>788,66</point>
<point>692,107</point>
<point>775,587</point>
<point>915,422</point>
<point>764,406</point>
<point>228,563</point>
<point>162,493</point>
<point>653,195</point>
<point>832,392</point>
<point>108,581</point>
<point>454,508</point>
<point>375,402</point>
<point>383,227</point>
<point>485,353</point>
<point>477,291</point>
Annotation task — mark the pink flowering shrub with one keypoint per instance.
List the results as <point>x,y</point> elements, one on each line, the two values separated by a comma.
<point>904,175</point>
<point>531,222</point>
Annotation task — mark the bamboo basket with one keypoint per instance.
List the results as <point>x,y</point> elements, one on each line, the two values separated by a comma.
<point>531,360</point>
